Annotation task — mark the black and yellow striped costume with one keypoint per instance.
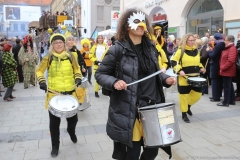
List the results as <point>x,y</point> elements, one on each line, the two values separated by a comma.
<point>190,63</point>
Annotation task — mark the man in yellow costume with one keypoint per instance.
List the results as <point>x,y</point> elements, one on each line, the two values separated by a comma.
<point>63,74</point>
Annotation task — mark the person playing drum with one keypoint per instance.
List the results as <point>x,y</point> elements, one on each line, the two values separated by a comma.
<point>59,62</point>
<point>139,59</point>
<point>186,62</point>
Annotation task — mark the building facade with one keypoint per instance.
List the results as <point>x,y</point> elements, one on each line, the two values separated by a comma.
<point>194,16</point>
<point>18,25</point>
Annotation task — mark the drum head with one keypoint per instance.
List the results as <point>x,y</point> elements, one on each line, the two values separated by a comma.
<point>64,103</point>
<point>198,79</point>
<point>160,105</point>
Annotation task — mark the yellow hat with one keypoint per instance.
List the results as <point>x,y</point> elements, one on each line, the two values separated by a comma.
<point>57,36</point>
<point>157,27</point>
<point>64,27</point>
<point>68,34</point>
<point>85,40</point>
<point>49,30</point>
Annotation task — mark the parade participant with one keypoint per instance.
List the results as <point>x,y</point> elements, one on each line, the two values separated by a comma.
<point>28,59</point>
<point>96,53</point>
<point>59,62</point>
<point>8,72</point>
<point>85,53</point>
<point>140,60</point>
<point>228,71</point>
<point>73,49</point>
<point>214,55</point>
<point>186,62</point>
<point>161,46</point>
<point>15,51</point>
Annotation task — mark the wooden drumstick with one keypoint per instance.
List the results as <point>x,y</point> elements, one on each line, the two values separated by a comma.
<point>206,63</point>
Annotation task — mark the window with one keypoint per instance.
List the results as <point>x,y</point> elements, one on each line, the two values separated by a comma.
<point>22,27</point>
<point>203,6</point>
<point>1,9</point>
<point>1,28</point>
<point>108,2</point>
<point>15,27</point>
<point>100,12</point>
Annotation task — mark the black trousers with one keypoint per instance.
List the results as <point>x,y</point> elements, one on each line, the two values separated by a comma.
<point>229,95</point>
<point>54,125</point>
<point>20,73</point>
<point>217,86</point>
<point>134,153</point>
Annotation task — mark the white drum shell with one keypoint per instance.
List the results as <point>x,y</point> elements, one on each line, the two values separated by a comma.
<point>86,104</point>
<point>156,134</point>
<point>63,106</point>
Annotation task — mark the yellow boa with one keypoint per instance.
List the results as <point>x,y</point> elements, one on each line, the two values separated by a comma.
<point>63,55</point>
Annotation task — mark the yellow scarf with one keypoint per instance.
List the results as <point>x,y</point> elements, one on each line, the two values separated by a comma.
<point>190,48</point>
<point>63,55</point>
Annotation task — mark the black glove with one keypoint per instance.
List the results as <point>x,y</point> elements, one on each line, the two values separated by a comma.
<point>97,62</point>
<point>78,82</point>
<point>43,86</point>
<point>83,55</point>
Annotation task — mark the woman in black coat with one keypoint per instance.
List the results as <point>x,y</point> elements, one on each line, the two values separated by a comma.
<point>216,79</point>
<point>138,59</point>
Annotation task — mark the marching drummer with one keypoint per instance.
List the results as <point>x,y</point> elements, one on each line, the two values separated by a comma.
<point>59,82</point>
<point>186,62</point>
<point>140,60</point>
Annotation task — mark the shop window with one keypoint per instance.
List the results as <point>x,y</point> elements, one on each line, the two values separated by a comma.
<point>217,25</point>
<point>203,6</point>
<point>100,12</point>
<point>191,26</point>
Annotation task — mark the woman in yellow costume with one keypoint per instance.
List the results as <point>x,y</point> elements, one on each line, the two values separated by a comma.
<point>160,44</point>
<point>85,54</point>
<point>186,61</point>
<point>59,62</point>
<point>97,51</point>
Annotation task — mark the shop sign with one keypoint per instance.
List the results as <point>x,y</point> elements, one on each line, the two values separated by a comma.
<point>151,3</point>
<point>159,17</point>
<point>172,30</point>
<point>60,19</point>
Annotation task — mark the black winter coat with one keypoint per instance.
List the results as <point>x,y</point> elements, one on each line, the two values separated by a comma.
<point>15,52</point>
<point>122,109</point>
<point>215,56</point>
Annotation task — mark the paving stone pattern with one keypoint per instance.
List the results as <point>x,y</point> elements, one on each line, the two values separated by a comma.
<point>24,130</point>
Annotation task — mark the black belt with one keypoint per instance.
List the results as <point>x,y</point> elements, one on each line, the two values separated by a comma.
<point>65,93</point>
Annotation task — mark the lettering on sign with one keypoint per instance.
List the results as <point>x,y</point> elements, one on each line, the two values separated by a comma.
<point>159,17</point>
<point>148,4</point>
<point>157,2</point>
<point>151,3</point>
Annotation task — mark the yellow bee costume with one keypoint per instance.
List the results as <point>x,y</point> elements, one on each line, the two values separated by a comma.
<point>60,73</point>
<point>95,59</point>
<point>190,63</point>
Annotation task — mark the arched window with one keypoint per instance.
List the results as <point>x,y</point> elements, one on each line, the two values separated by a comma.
<point>205,16</point>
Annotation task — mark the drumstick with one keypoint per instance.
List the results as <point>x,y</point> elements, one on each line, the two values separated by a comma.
<point>192,74</point>
<point>206,63</point>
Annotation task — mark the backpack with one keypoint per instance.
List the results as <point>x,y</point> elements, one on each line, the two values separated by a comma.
<point>105,91</point>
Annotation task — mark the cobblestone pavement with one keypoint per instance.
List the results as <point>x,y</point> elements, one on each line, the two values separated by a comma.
<point>24,130</point>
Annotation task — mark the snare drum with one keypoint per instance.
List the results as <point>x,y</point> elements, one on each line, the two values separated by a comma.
<point>197,81</point>
<point>63,106</point>
<point>84,82</point>
<point>160,125</point>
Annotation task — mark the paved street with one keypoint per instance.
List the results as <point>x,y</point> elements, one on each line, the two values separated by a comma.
<point>214,132</point>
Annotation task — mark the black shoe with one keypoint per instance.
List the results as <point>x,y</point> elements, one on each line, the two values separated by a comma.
<point>185,118</point>
<point>90,82</point>
<point>189,112</point>
<point>210,98</point>
<point>54,153</point>
<point>96,94</point>
<point>73,137</point>
<point>25,87</point>
<point>232,103</point>
<point>222,104</point>
<point>213,100</point>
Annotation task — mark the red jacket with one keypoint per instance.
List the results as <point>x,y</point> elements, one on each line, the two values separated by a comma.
<point>227,61</point>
